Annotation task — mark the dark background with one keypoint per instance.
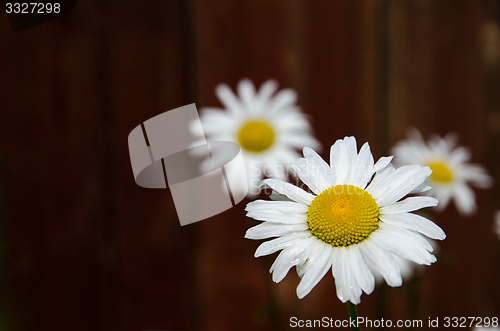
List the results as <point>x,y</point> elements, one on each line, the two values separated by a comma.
<point>84,248</point>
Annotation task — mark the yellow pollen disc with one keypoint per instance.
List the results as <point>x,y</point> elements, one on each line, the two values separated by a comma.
<point>343,215</point>
<point>441,173</point>
<point>256,136</point>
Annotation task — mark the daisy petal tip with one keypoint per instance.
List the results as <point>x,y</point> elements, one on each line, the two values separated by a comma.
<point>341,298</point>
<point>250,234</point>
<point>221,89</point>
<point>278,278</point>
<point>355,300</point>
<point>301,294</point>
<point>250,205</point>
<point>349,138</point>
<point>259,251</point>
<point>425,189</point>
<point>398,283</point>
<point>430,260</point>
<point>367,144</point>
<point>394,281</point>
<point>428,170</point>
<point>245,81</point>
<point>273,82</point>
<point>307,150</point>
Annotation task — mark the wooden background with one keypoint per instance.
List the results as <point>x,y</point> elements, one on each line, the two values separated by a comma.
<point>84,248</point>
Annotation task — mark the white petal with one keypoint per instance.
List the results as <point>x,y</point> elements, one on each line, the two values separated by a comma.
<point>379,259</point>
<point>362,168</point>
<point>415,223</point>
<point>312,175</point>
<point>277,216</point>
<point>319,264</point>
<point>287,259</point>
<point>291,191</point>
<point>269,230</point>
<point>342,274</point>
<point>293,121</point>
<point>345,281</point>
<point>272,246</point>
<point>246,91</point>
<point>465,200</point>
<point>299,140</point>
<point>403,181</point>
<point>406,244</point>
<point>361,271</point>
<point>283,98</point>
<point>380,181</point>
<point>284,206</point>
<point>279,197</point>
<point>342,154</point>
<point>476,175</point>
<point>217,122</point>
<point>460,155</point>
<point>267,89</point>
<point>228,98</point>
<point>321,164</point>
<point>409,204</point>
<point>424,187</point>
<point>443,195</point>
<point>382,163</point>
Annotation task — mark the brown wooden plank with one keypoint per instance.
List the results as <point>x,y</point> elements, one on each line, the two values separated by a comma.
<point>92,250</point>
<point>51,210</point>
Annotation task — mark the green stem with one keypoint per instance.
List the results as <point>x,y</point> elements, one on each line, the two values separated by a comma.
<point>353,314</point>
<point>273,310</point>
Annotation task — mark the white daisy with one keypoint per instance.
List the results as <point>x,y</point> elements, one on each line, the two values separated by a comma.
<point>268,126</point>
<point>354,222</point>
<point>451,176</point>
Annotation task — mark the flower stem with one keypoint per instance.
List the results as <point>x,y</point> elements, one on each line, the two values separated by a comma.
<point>273,310</point>
<point>353,314</point>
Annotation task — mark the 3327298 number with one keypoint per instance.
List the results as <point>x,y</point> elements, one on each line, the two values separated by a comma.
<point>32,8</point>
<point>462,322</point>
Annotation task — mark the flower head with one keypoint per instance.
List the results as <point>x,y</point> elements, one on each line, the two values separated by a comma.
<point>354,221</point>
<point>268,126</point>
<point>451,176</point>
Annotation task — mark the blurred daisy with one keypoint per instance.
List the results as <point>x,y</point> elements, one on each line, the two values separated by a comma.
<point>451,176</point>
<point>354,221</point>
<point>496,224</point>
<point>268,126</point>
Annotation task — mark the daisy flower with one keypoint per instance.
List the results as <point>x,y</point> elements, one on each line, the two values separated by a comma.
<point>267,124</point>
<point>354,222</point>
<point>452,176</point>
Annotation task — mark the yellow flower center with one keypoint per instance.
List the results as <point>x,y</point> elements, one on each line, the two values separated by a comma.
<point>256,136</point>
<point>343,215</point>
<point>441,173</point>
